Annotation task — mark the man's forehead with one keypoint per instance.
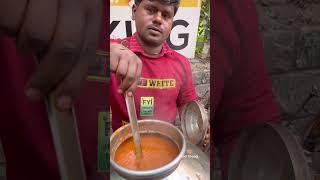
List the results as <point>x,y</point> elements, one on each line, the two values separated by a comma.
<point>159,2</point>
<point>165,1</point>
<point>167,5</point>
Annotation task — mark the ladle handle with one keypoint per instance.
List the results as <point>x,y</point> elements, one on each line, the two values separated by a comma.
<point>66,141</point>
<point>134,124</point>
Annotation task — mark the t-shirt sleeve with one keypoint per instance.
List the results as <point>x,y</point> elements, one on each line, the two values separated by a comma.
<point>187,92</point>
<point>115,41</point>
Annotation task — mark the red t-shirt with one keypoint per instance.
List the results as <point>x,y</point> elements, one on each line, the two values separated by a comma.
<point>241,90</point>
<point>24,126</point>
<point>166,83</point>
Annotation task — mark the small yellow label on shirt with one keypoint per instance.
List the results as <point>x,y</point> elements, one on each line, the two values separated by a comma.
<point>157,83</point>
<point>146,106</point>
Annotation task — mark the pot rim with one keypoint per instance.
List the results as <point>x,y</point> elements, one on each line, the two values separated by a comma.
<point>172,164</point>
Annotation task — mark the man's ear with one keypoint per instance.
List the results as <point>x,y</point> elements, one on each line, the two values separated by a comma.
<point>134,9</point>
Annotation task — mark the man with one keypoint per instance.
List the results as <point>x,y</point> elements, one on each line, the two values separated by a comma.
<point>61,36</point>
<point>165,81</point>
<point>242,93</point>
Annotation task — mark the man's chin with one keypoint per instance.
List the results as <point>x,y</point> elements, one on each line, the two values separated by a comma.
<point>151,39</point>
<point>154,41</point>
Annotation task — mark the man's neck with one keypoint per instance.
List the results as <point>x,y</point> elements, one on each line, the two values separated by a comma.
<point>151,50</point>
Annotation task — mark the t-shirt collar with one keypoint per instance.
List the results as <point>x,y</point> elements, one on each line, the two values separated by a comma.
<point>134,45</point>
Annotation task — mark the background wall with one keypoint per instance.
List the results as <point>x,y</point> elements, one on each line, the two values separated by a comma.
<point>290,31</point>
<point>201,79</point>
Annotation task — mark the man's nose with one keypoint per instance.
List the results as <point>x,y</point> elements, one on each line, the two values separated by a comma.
<point>158,18</point>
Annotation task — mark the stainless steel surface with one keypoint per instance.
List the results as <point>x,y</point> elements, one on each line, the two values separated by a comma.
<point>313,130</point>
<point>268,152</point>
<point>134,124</point>
<point>2,163</point>
<point>195,165</point>
<point>66,141</point>
<point>311,144</point>
<point>194,122</point>
<point>148,126</point>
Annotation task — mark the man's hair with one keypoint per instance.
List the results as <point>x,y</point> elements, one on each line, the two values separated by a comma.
<point>174,3</point>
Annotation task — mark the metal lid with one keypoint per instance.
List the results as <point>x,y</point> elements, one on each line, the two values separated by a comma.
<point>194,122</point>
<point>266,152</point>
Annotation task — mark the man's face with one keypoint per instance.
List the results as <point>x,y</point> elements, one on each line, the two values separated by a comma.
<point>153,21</point>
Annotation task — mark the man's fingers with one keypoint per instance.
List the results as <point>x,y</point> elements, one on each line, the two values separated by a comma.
<point>70,87</point>
<point>207,138</point>
<point>115,56</point>
<point>127,67</point>
<point>122,68</point>
<point>11,15</point>
<point>114,61</point>
<point>137,75</point>
<point>139,69</point>
<point>132,87</point>
<point>65,48</point>
<point>130,81</point>
<point>37,31</point>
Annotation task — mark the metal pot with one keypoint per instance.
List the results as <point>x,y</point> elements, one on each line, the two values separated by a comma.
<point>148,126</point>
<point>191,163</point>
<point>268,151</point>
<point>195,164</point>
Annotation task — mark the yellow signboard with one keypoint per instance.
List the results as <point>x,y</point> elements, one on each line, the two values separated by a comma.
<point>183,36</point>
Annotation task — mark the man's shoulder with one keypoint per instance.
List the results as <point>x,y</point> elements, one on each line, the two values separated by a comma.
<point>118,40</point>
<point>179,56</point>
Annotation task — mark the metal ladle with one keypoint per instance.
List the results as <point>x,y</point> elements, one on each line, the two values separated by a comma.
<point>66,141</point>
<point>134,124</point>
<point>65,135</point>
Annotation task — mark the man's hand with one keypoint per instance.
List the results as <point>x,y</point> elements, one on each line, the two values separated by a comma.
<point>127,67</point>
<point>62,34</point>
<point>206,140</point>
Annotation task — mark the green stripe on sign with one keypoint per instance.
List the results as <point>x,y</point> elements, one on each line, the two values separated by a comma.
<point>103,142</point>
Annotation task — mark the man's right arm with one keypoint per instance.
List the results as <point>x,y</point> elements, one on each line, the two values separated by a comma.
<point>126,65</point>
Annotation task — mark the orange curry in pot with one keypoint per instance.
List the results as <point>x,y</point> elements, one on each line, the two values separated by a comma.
<point>157,151</point>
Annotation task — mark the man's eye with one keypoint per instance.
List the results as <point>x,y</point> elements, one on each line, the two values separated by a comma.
<point>166,16</point>
<point>151,10</point>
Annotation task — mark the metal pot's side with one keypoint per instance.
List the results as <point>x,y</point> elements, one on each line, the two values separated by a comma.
<point>148,126</point>
<point>2,163</point>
